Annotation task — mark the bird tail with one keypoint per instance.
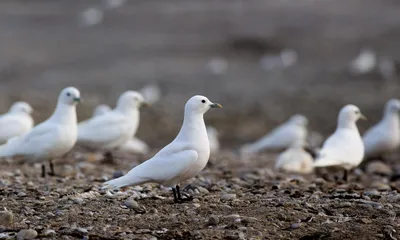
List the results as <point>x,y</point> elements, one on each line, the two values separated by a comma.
<point>128,179</point>
<point>324,162</point>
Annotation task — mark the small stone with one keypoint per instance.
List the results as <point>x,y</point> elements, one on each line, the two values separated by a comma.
<point>379,168</point>
<point>26,234</point>
<point>295,226</point>
<point>228,196</point>
<point>153,211</point>
<point>130,203</point>
<point>203,190</point>
<point>83,231</point>
<point>213,220</point>
<point>78,200</point>
<point>49,233</point>
<point>6,218</point>
<point>21,194</point>
<point>249,220</point>
<point>381,186</point>
<point>365,220</point>
<point>118,174</point>
<point>232,216</point>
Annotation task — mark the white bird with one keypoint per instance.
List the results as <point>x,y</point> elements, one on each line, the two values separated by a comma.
<point>364,63</point>
<point>16,122</point>
<point>295,129</point>
<point>114,128</point>
<point>182,159</point>
<point>212,134</point>
<point>91,16</point>
<point>52,138</point>
<point>151,93</point>
<point>100,110</point>
<point>384,137</point>
<point>134,145</point>
<point>344,148</point>
<point>295,159</point>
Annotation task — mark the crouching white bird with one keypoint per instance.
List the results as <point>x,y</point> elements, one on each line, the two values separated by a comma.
<point>384,137</point>
<point>295,159</point>
<point>16,122</point>
<point>52,138</point>
<point>344,148</point>
<point>282,137</point>
<point>182,159</point>
<point>113,128</point>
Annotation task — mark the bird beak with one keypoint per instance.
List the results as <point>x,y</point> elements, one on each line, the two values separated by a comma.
<point>76,99</point>
<point>216,105</point>
<point>363,117</point>
<point>145,104</point>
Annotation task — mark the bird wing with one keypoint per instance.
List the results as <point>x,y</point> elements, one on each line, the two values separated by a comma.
<point>38,139</point>
<point>157,169</point>
<point>338,149</point>
<point>102,129</point>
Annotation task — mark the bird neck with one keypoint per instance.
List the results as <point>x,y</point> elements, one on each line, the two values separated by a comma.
<point>127,110</point>
<point>64,114</point>
<point>193,126</point>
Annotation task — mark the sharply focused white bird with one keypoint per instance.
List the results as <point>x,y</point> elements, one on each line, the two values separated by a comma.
<point>212,134</point>
<point>182,159</point>
<point>344,148</point>
<point>52,138</point>
<point>16,122</point>
<point>113,128</point>
<point>295,129</point>
<point>295,159</point>
<point>384,137</point>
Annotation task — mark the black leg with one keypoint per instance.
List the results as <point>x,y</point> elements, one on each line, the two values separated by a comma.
<point>43,171</point>
<point>175,197</point>
<point>51,173</point>
<point>345,175</point>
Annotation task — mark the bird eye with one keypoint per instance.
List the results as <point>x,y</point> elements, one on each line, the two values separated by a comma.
<point>203,101</point>
<point>68,94</point>
<point>357,112</point>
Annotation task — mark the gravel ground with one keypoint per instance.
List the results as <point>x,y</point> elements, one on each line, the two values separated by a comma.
<point>233,200</point>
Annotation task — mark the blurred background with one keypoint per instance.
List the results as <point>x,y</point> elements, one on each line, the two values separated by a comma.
<point>263,60</point>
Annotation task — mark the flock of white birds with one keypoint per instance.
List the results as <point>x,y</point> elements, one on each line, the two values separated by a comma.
<point>115,129</point>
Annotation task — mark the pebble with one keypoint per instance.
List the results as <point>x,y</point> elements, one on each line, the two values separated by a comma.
<point>213,220</point>
<point>26,234</point>
<point>295,226</point>
<point>379,168</point>
<point>203,190</point>
<point>132,204</point>
<point>249,220</point>
<point>21,194</point>
<point>83,231</point>
<point>118,174</point>
<point>228,196</point>
<point>49,233</point>
<point>6,218</point>
<point>78,200</point>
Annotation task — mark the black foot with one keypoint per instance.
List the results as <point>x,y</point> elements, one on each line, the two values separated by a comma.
<point>345,175</point>
<point>178,197</point>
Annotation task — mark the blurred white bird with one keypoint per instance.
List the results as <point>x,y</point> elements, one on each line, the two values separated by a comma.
<point>384,137</point>
<point>91,16</point>
<point>111,4</point>
<point>217,66</point>
<point>134,145</point>
<point>282,137</point>
<point>344,148</point>
<point>113,128</point>
<point>212,134</point>
<point>100,110</point>
<point>16,122</point>
<point>364,63</point>
<point>295,159</point>
<point>151,93</point>
<point>53,138</point>
<point>182,159</point>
